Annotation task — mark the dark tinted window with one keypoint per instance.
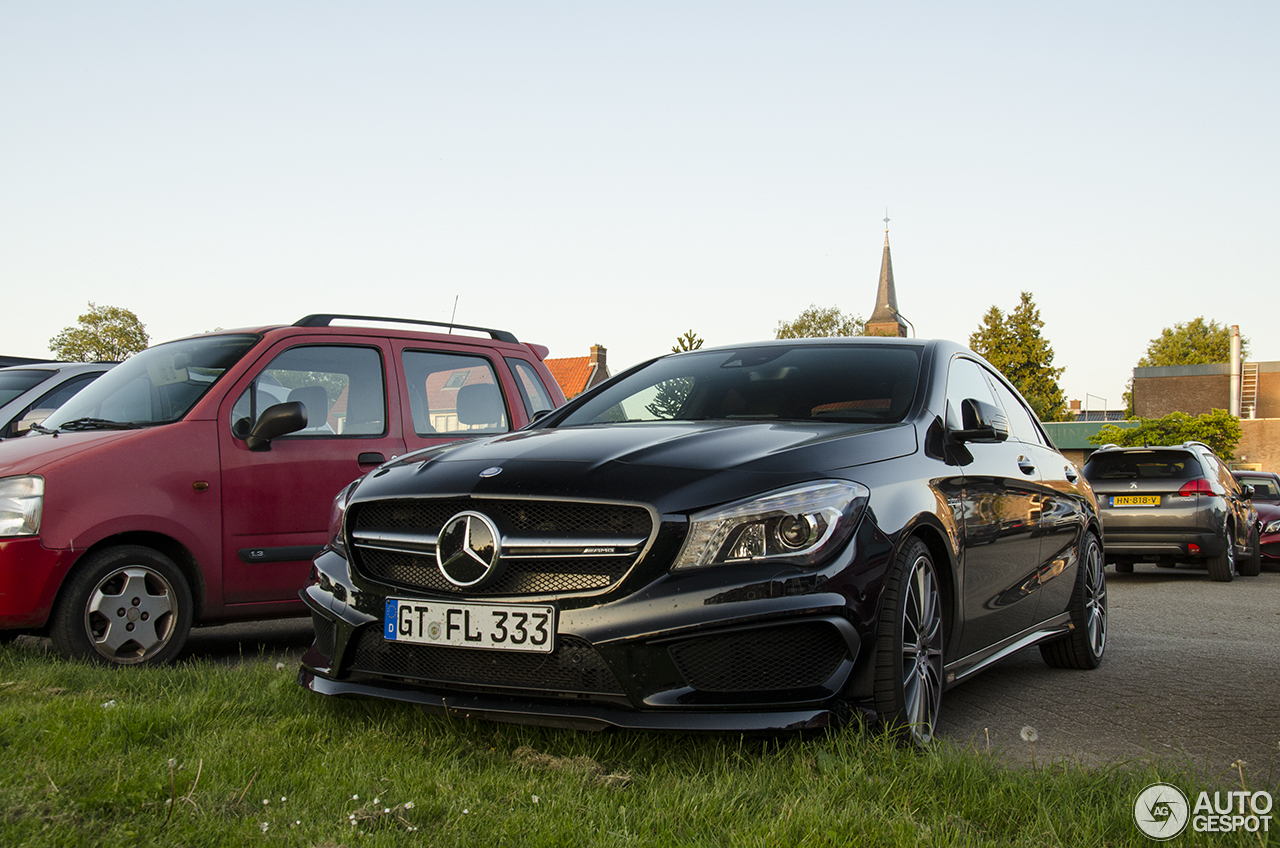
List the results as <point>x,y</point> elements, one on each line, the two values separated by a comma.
<point>845,383</point>
<point>1143,465</point>
<point>14,383</point>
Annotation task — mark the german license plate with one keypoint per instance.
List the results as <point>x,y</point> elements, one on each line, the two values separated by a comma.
<point>503,627</point>
<point>1135,500</point>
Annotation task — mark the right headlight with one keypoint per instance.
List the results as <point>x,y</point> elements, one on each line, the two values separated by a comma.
<point>801,525</point>
<point>21,502</point>
<point>1273,527</point>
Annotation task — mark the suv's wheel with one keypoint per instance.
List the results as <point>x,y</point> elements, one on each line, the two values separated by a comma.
<point>1223,566</point>
<point>124,605</point>
<point>1084,645</point>
<point>908,688</point>
<point>1251,566</point>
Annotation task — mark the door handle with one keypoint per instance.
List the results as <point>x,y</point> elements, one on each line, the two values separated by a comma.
<point>371,458</point>
<point>1026,465</point>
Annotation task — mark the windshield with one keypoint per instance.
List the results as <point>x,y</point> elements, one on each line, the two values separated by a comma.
<point>157,386</point>
<point>846,383</point>
<point>14,383</point>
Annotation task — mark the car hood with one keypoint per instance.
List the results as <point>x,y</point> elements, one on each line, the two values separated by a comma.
<point>673,465</point>
<point>32,453</point>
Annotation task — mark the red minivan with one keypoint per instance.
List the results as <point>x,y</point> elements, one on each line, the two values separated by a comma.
<point>193,482</point>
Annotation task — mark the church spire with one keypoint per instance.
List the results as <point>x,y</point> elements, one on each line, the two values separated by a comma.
<point>885,320</point>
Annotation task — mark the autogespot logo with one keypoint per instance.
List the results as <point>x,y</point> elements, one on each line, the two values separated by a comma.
<point>1162,812</point>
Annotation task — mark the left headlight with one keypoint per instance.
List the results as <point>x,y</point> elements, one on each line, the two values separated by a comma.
<point>21,503</point>
<point>801,525</point>
<point>337,512</point>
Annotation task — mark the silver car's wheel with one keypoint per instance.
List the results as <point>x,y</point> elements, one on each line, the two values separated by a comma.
<point>1223,566</point>
<point>909,654</point>
<point>124,606</point>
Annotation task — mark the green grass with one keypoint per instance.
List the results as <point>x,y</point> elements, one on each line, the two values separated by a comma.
<point>203,754</point>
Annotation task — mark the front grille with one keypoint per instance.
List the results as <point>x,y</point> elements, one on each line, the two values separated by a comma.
<point>769,659</point>
<point>519,577</point>
<point>539,570</point>
<point>574,666</point>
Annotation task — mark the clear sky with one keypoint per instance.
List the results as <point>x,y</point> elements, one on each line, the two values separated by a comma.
<point>617,173</point>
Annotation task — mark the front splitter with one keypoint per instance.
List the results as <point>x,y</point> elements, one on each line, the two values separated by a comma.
<point>579,717</point>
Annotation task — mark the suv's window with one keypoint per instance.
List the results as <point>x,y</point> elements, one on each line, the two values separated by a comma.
<point>1143,465</point>
<point>453,393</point>
<point>340,386</point>
<point>14,383</point>
<point>966,380</point>
<point>532,392</point>
<point>845,383</point>
<point>156,386</point>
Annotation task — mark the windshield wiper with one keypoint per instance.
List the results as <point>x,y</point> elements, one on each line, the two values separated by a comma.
<point>97,424</point>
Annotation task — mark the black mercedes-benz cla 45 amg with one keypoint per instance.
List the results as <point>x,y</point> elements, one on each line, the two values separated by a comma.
<point>754,538</point>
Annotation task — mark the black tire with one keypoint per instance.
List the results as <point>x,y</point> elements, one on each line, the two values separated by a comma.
<point>125,605</point>
<point>1084,646</point>
<point>1251,566</point>
<point>909,649</point>
<point>1222,567</point>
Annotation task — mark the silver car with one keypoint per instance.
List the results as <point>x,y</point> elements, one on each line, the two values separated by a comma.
<point>29,393</point>
<point>1172,504</point>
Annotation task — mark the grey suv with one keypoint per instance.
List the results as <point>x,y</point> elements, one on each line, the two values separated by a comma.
<point>1174,504</point>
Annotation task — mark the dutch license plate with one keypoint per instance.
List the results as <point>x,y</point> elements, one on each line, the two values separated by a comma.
<point>1135,500</point>
<point>505,627</point>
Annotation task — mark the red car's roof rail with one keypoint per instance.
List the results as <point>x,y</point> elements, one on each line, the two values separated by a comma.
<point>325,320</point>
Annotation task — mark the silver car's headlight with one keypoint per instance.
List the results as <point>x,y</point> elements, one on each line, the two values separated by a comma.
<point>21,502</point>
<point>802,525</point>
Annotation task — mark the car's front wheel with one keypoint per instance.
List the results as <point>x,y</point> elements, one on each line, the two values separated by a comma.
<point>908,689</point>
<point>1084,645</point>
<point>123,606</point>
<point>1251,566</point>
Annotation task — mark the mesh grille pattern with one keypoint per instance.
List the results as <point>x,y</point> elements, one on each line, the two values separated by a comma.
<point>551,575</point>
<point>519,577</point>
<point>326,634</point>
<point>574,666</point>
<point>554,517</point>
<point>770,659</point>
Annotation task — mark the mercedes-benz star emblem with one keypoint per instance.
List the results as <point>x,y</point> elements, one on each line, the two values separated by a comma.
<point>492,471</point>
<point>468,549</point>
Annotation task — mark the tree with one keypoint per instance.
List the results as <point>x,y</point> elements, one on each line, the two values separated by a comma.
<point>689,341</point>
<point>820,322</point>
<point>1219,429</point>
<point>1195,342</point>
<point>1015,346</point>
<point>105,334</point>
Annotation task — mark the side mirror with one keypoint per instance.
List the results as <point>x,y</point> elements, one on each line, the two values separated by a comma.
<point>276,421</point>
<point>1248,491</point>
<point>981,422</point>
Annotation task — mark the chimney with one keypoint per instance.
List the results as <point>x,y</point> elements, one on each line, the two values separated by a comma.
<point>1235,370</point>
<point>597,356</point>
<point>1075,406</point>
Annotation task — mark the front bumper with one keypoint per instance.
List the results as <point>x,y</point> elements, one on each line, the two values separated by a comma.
<point>30,575</point>
<point>774,651</point>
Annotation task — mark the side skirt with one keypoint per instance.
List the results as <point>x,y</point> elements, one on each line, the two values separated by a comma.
<point>1059,625</point>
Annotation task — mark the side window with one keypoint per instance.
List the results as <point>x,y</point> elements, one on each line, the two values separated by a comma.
<point>532,392</point>
<point>965,380</point>
<point>453,393</point>
<point>341,387</point>
<point>1022,424</point>
<point>38,411</point>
